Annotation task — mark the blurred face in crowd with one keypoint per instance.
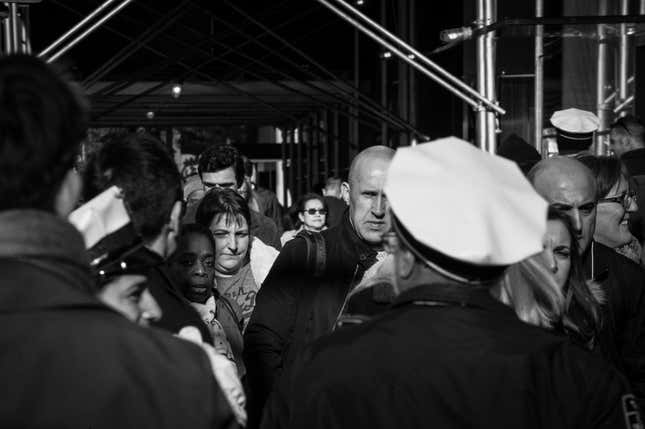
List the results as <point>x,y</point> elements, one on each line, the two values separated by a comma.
<point>232,241</point>
<point>570,188</point>
<point>194,264</point>
<point>314,215</point>
<point>557,251</point>
<point>129,295</point>
<point>614,210</point>
<point>368,205</point>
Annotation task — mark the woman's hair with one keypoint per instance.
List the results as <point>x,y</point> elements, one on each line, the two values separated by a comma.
<point>583,298</point>
<point>302,202</point>
<point>219,202</point>
<point>607,170</point>
<point>530,288</point>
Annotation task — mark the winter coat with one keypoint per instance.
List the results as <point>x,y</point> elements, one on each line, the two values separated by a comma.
<point>69,361</point>
<point>291,293</point>
<point>446,356</point>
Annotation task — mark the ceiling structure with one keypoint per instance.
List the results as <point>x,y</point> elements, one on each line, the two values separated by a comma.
<point>238,61</point>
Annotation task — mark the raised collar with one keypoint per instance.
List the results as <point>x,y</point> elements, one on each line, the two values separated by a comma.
<point>353,245</point>
<point>463,296</point>
<point>38,234</point>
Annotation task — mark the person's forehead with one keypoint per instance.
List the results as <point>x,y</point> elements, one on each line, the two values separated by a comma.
<point>197,244</point>
<point>313,204</point>
<point>222,176</point>
<point>372,173</point>
<point>557,232</point>
<point>228,223</point>
<point>572,187</point>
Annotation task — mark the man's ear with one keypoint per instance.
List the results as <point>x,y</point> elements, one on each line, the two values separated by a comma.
<point>68,193</point>
<point>405,262</point>
<point>344,192</point>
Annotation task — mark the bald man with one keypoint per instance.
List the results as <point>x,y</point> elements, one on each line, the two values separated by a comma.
<point>299,301</point>
<point>569,186</point>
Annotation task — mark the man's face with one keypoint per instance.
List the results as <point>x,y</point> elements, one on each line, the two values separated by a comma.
<point>368,206</point>
<point>129,295</point>
<point>194,263</point>
<point>223,179</point>
<point>574,195</point>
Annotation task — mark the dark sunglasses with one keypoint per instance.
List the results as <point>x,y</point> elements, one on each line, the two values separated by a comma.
<point>314,211</point>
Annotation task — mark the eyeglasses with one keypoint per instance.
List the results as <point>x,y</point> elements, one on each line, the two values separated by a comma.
<point>314,211</point>
<point>625,199</point>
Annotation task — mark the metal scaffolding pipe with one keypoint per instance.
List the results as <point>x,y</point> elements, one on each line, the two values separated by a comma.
<point>482,135</point>
<point>538,86</point>
<point>623,55</point>
<point>601,81</point>
<point>75,28</point>
<point>416,65</point>
<point>14,27</point>
<point>6,31</point>
<point>415,53</point>
<point>88,31</point>
<point>489,56</point>
<point>25,30</point>
<point>624,104</point>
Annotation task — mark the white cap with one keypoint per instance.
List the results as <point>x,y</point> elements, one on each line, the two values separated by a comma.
<point>467,204</point>
<point>575,121</point>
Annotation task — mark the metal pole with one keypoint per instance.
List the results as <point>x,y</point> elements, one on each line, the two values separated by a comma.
<point>73,30</point>
<point>538,86</point>
<point>623,56</point>
<point>14,27</point>
<point>403,73</point>
<point>353,144</point>
<point>7,34</point>
<point>324,138</point>
<point>412,87</point>
<point>25,27</point>
<point>292,168</point>
<point>417,55</point>
<point>283,152</point>
<point>384,140</point>
<point>491,119</point>
<point>418,66</point>
<point>601,82</point>
<point>315,149</point>
<point>299,143</point>
<point>482,134</point>
<point>88,31</point>
<point>336,142</point>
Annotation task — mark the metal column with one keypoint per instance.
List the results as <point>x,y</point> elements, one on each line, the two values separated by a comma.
<point>403,72</point>
<point>354,145</point>
<point>538,87</point>
<point>336,143</point>
<point>384,86</point>
<point>624,52</point>
<point>491,118</point>
<point>482,134</point>
<point>601,82</point>
<point>290,188</point>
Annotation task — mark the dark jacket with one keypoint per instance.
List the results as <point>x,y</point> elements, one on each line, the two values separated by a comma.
<point>290,293</point>
<point>68,361</point>
<point>622,335</point>
<point>269,205</point>
<point>176,309</point>
<point>265,229</point>
<point>448,357</point>
<point>634,160</point>
<point>336,209</point>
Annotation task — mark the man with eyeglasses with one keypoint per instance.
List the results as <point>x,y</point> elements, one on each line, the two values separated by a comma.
<point>627,141</point>
<point>300,301</point>
<point>570,187</point>
<point>222,166</point>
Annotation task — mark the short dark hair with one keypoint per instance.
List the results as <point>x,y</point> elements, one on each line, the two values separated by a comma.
<point>220,157</point>
<point>607,170</point>
<point>218,202</point>
<point>143,168</point>
<point>630,126</point>
<point>196,229</point>
<point>43,119</point>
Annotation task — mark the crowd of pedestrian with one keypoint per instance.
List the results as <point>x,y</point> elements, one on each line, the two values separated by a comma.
<point>437,286</point>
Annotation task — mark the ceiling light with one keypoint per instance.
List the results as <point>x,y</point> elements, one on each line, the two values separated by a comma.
<point>176,90</point>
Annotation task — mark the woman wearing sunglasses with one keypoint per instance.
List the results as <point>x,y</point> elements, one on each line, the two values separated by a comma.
<point>312,216</point>
<point>616,203</point>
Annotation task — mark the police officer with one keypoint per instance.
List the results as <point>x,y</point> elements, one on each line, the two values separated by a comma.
<point>447,354</point>
<point>575,129</point>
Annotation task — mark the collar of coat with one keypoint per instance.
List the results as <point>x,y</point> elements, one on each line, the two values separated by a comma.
<point>452,295</point>
<point>44,263</point>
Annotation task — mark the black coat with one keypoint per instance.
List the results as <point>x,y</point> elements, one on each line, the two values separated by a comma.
<point>622,336</point>
<point>273,337</point>
<point>634,160</point>
<point>68,361</point>
<point>468,362</point>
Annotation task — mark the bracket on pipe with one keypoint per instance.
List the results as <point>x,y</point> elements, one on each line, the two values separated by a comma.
<point>438,74</point>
